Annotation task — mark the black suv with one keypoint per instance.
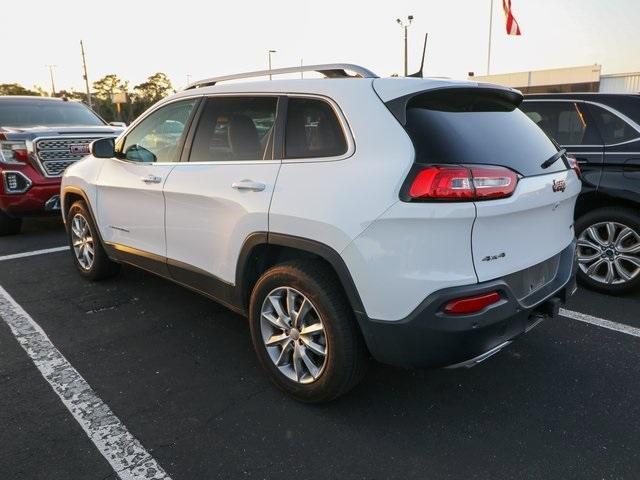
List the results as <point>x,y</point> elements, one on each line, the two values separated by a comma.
<point>602,131</point>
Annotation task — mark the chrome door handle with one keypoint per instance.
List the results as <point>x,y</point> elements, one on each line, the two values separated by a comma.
<point>151,179</point>
<point>248,185</point>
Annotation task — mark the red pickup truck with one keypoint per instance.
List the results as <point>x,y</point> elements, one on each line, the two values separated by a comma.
<point>39,138</point>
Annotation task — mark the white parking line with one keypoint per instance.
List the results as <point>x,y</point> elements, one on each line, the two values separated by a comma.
<point>122,450</point>
<point>601,322</point>
<point>32,253</point>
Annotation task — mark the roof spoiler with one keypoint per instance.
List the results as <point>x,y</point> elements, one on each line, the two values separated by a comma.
<point>398,106</point>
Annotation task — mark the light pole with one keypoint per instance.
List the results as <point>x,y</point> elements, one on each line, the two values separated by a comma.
<point>269,52</point>
<point>85,75</point>
<point>53,85</point>
<point>405,26</point>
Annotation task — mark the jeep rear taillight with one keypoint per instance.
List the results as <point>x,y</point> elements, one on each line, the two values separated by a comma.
<point>462,183</point>
<point>13,152</point>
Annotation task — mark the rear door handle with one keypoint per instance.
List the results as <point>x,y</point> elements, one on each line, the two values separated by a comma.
<point>151,179</point>
<point>248,185</point>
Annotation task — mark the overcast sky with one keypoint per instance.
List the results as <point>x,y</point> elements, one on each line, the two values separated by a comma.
<point>136,38</point>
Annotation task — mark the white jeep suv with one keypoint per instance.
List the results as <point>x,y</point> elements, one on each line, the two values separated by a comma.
<point>424,222</point>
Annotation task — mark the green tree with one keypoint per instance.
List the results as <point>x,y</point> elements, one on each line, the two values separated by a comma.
<point>154,89</point>
<point>103,89</point>
<point>16,89</point>
<point>108,85</point>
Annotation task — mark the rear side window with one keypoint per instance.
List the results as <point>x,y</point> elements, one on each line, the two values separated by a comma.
<point>612,128</point>
<point>477,128</point>
<point>568,123</point>
<point>313,130</point>
<point>232,129</point>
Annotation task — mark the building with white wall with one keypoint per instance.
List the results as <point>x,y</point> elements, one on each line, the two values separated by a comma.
<point>587,78</point>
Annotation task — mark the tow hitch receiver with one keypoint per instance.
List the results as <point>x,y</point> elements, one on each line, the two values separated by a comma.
<point>550,308</point>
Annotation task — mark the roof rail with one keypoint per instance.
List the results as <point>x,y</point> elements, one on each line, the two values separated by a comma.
<point>329,70</point>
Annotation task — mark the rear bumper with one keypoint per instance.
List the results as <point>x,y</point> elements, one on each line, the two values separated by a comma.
<point>430,338</point>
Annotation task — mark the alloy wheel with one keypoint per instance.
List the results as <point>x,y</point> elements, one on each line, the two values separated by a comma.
<point>82,241</point>
<point>609,253</point>
<point>293,335</point>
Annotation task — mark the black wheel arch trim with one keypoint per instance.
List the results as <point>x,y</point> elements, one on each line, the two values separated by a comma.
<point>81,193</point>
<point>322,250</point>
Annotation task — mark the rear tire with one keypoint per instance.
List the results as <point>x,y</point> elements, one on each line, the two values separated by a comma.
<point>89,257</point>
<point>9,225</point>
<point>609,250</point>
<point>321,351</point>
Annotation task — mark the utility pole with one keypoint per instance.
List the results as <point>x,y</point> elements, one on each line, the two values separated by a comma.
<point>53,85</point>
<point>490,28</point>
<point>188,79</point>
<point>86,76</point>
<point>269,52</point>
<point>405,26</point>
<point>301,65</point>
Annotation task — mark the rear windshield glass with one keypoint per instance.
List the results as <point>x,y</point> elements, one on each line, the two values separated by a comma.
<point>16,113</point>
<point>472,129</point>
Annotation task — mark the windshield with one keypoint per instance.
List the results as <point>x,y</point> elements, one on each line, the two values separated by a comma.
<point>29,113</point>
<point>458,129</point>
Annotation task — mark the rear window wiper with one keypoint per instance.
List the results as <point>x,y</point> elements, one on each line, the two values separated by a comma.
<point>554,158</point>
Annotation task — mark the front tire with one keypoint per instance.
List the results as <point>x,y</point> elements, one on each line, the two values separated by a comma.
<point>9,225</point>
<point>89,257</point>
<point>304,332</point>
<point>609,250</point>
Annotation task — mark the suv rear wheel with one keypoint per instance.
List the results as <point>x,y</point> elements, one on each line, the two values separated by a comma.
<point>9,225</point>
<point>88,255</point>
<point>304,332</point>
<point>609,250</point>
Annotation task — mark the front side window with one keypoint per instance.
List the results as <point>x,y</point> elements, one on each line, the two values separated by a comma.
<point>612,128</point>
<point>157,138</point>
<point>235,128</point>
<point>566,122</point>
<point>313,130</point>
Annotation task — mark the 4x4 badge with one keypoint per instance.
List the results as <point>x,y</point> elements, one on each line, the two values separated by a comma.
<point>559,185</point>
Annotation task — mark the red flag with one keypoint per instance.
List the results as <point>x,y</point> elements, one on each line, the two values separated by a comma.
<point>512,25</point>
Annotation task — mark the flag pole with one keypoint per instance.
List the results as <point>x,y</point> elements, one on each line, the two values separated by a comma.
<point>490,29</point>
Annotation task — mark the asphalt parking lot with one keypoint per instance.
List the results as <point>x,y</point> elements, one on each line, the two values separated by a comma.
<point>178,372</point>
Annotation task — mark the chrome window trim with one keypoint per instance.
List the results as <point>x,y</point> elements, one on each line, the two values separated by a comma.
<point>346,131</point>
<point>8,191</point>
<point>582,146</point>
<point>611,110</point>
<point>257,161</point>
<point>122,138</point>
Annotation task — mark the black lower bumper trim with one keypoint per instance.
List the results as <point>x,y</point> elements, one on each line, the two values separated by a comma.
<point>430,338</point>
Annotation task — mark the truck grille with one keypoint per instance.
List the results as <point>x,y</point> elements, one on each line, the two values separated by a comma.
<point>55,154</point>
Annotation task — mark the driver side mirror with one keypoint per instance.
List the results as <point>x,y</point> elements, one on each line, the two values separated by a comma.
<point>103,148</point>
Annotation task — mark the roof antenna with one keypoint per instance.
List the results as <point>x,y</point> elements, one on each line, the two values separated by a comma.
<point>418,74</point>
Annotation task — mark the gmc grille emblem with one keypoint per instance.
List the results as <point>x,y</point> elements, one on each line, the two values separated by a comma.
<point>79,148</point>
<point>559,185</point>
